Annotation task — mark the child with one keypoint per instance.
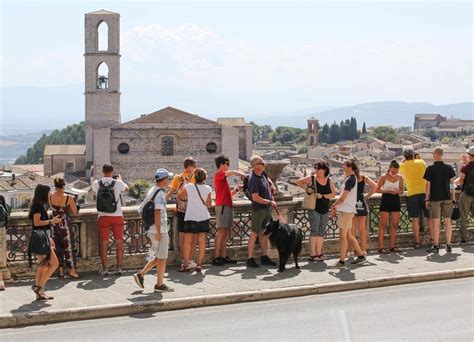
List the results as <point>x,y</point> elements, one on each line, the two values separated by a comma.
<point>158,234</point>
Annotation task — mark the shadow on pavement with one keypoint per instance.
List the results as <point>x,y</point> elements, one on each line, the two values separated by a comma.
<point>390,258</point>
<point>288,273</point>
<point>343,274</point>
<point>36,305</point>
<point>448,257</point>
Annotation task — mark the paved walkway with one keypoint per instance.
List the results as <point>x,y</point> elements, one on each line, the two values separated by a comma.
<point>93,291</point>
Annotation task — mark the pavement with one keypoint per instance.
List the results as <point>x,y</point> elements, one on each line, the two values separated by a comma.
<point>98,297</point>
<point>413,312</point>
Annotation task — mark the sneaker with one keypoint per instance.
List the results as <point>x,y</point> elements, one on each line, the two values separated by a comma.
<point>139,280</point>
<point>433,249</point>
<point>118,272</point>
<point>359,260</point>
<point>462,242</point>
<point>104,273</point>
<point>265,260</point>
<point>448,249</point>
<point>218,262</point>
<point>163,288</point>
<point>339,264</point>
<point>228,260</point>
<point>251,263</point>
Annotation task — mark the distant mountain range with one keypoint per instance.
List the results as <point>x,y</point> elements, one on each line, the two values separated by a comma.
<point>33,109</point>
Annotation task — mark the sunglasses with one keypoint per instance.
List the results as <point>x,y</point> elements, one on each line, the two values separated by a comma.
<point>263,164</point>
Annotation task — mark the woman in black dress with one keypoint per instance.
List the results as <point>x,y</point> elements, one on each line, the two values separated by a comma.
<point>46,258</point>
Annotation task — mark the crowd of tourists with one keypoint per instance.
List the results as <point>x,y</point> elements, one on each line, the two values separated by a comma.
<point>430,197</point>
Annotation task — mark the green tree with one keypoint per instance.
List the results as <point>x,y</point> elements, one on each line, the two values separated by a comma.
<point>261,132</point>
<point>385,133</point>
<point>71,135</point>
<point>364,129</point>
<point>138,189</point>
<point>432,134</point>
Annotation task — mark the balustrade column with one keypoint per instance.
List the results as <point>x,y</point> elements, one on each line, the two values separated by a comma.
<point>3,254</point>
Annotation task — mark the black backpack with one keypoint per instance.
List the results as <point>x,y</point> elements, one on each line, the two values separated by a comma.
<point>148,211</point>
<point>106,202</point>
<point>4,212</point>
<point>468,185</point>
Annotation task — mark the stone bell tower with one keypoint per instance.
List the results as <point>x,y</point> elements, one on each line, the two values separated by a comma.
<point>312,132</point>
<point>102,85</point>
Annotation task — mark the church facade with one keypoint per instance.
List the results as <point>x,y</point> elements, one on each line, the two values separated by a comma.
<point>160,139</point>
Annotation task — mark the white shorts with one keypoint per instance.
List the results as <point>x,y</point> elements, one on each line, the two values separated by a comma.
<point>158,249</point>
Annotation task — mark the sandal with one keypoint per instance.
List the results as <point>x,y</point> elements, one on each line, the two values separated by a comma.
<point>74,276</point>
<point>312,257</point>
<point>199,268</point>
<point>384,251</point>
<point>416,245</point>
<point>184,268</point>
<point>395,249</point>
<point>40,295</point>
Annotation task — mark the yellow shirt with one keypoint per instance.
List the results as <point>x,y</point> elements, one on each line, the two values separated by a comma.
<point>413,172</point>
<point>175,183</point>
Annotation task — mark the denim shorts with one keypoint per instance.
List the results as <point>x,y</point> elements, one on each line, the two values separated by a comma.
<point>318,223</point>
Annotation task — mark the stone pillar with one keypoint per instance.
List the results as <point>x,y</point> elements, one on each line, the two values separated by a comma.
<point>3,254</point>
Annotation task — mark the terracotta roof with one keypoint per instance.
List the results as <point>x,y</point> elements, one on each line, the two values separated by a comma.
<point>25,182</point>
<point>428,116</point>
<point>53,150</point>
<point>232,122</point>
<point>170,115</point>
<point>36,168</point>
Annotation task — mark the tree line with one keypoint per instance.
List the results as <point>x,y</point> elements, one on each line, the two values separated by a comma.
<point>71,135</point>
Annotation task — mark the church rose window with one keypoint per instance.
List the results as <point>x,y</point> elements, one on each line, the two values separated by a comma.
<point>167,146</point>
<point>123,148</point>
<point>211,147</point>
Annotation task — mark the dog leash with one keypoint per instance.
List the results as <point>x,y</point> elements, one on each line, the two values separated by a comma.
<point>279,215</point>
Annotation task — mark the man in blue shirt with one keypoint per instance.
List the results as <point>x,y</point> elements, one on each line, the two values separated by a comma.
<point>261,188</point>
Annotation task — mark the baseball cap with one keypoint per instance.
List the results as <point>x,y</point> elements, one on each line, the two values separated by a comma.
<point>471,151</point>
<point>162,173</point>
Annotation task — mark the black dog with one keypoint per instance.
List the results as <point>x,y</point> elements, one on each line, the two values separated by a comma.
<point>287,238</point>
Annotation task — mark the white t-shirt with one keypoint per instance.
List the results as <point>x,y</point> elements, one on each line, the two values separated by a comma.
<point>196,210</point>
<point>160,204</point>
<point>119,187</point>
<point>349,205</point>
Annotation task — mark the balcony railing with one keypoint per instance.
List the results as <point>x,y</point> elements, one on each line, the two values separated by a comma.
<point>136,243</point>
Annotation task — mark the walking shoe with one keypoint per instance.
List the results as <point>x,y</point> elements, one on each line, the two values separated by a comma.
<point>251,263</point>
<point>462,242</point>
<point>104,273</point>
<point>448,249</point>
<point>265,260</point>
<point>218,262</point>
<point>228,260</point>
<point>163,288</point>
<point>433,249</point>
<point>139,280</point>
<point>118,272</point>
<point>359,260</point>
<point>339,264</point>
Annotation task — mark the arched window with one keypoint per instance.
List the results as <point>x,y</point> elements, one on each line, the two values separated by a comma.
<point>102,76</point>
<point>311,140</point>
<point>103,36</point>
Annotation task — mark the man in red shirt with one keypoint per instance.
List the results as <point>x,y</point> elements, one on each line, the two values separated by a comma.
<point>224,209</point>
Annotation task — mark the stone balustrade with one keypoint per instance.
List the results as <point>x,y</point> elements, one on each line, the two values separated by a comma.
<point>14,238</point>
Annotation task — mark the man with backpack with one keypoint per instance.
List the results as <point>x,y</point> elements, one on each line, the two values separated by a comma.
<point>109,210</point>
<point>261,189</point>
<point>154,206</point>
<point>466,200</point>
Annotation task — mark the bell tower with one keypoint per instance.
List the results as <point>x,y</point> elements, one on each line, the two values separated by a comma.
<point>102,85</point>
<point>312,132</point>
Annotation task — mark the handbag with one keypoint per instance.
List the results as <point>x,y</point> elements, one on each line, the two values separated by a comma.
<point>39,244</point>
<point>456,213</point>
<point>309,201</point>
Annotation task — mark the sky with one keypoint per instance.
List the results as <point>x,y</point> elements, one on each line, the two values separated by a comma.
<point>277,55</point>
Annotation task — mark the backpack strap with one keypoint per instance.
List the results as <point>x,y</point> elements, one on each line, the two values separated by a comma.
<point>199,193</point>
<point>156,193</point>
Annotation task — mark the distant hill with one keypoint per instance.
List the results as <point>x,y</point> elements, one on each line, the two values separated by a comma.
<point>32,109</point>
<point>394,113</point>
